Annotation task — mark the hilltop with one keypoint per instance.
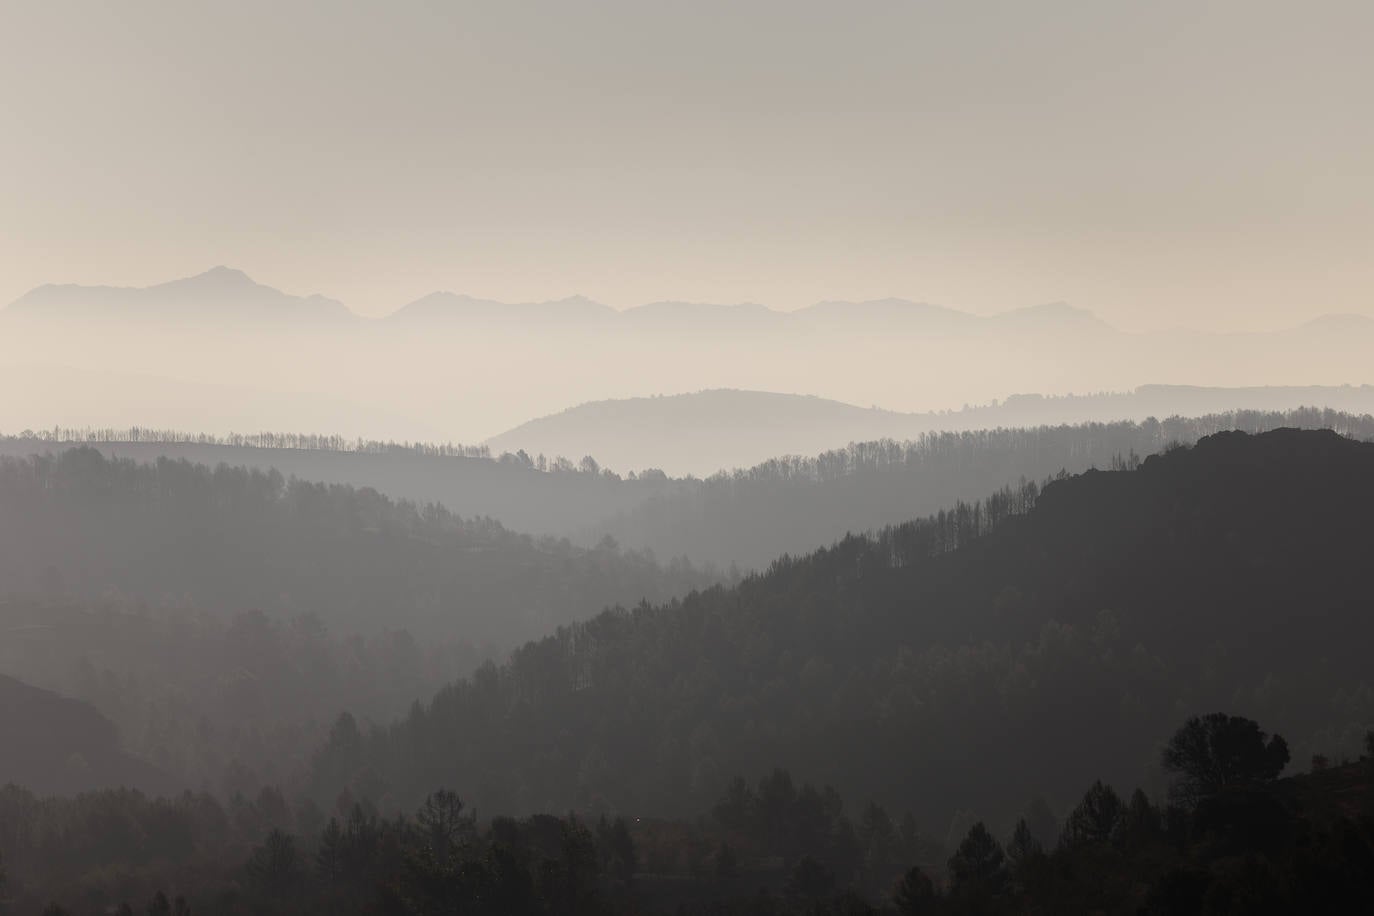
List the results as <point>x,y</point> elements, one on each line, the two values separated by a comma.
<point>723,430</point>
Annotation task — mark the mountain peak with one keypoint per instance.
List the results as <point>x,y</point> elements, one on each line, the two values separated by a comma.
<point>223,293</point>
<point>225,276</point>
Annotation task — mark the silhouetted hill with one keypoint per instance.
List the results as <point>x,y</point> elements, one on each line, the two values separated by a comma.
<point>218,295</point>
<point>706,430</point>
<point>1026,644</point>
<point>710,431</point>
<point>56,745</point>
<point>81,525</point>
<point>791,505</point>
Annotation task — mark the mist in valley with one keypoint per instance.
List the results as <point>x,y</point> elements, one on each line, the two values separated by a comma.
<point>618,459</point>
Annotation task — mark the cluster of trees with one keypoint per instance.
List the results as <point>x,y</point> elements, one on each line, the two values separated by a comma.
<point>80,526</point>
<point>261,854</point>
<point>87,435</point>
<point>893,666</point>
<point>1232,838</point>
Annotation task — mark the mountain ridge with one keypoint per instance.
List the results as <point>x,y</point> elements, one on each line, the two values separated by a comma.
<point>222,280</point>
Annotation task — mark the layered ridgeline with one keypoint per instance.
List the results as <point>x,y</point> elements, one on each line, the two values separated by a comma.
<point>1026,644</point>
<point>78,525</point>
<point>746,517</point>
<point>173,355</point>
<point>705,432</point>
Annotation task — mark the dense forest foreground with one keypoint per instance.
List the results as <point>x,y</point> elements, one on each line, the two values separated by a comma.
<point>1229,838</point>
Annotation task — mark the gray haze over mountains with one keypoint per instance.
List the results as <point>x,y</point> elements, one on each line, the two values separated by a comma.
<point>781,457</point>
<point>219,352</point>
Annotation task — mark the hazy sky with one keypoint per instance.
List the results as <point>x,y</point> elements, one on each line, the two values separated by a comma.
<point>1162,163</point>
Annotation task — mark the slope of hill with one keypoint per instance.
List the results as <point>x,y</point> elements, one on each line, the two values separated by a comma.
<point>467,481</point>
<point>1027,644</point>
<point>746,518</point>
<point>57,745</point>
<point>701,432</point>
<point>232,701</point>
<point>792,505</point>
<point>78,524</point>
<point>710,431</point>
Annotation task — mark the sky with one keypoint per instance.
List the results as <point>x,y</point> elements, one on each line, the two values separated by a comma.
<point>1207,164</point>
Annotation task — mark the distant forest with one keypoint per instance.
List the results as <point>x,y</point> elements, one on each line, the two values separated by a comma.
<point>80,526</point>
<point>745,517</point>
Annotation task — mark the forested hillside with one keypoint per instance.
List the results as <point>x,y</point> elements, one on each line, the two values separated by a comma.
<point>52,743</point>
<point>560,498</point>
<point>743,517</point>
<point>226,702</point>
<point>795,504</point>
<point>1026,644</point>
<point>77,526</point>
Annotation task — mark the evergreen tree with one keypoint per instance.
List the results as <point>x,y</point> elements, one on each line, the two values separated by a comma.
<point>1096,819</point>
<point>915,894</point>
<point>1215,752</point>
<point>1023,846</point>
<point>978,866</point>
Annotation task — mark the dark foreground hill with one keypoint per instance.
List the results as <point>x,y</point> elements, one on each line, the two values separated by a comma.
<point>55,744</point>
<point>78,525</point>
<point>1026,644</point>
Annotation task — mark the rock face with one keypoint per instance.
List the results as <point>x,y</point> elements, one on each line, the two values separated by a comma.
<point>54,745</point>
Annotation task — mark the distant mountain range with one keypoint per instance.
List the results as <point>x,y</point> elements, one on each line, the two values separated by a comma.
<point>227,294</point>
<point>456,367</point>
<point>219,294</point>
<point>709,431</point>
